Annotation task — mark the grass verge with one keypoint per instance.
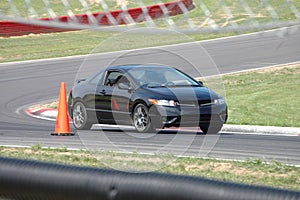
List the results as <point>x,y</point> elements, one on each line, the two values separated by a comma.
<point>257,172</point>
<point>53,45</point>
<point>265,97</point>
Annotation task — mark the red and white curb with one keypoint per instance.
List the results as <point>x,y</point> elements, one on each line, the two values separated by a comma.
<point>51,114</point>
<point>43,113</point>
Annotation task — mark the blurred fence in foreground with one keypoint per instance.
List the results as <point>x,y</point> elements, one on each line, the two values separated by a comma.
<point>24,179</point>
<point>196,16</point>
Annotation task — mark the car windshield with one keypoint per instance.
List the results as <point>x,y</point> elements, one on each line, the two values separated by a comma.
<point>161,77</point>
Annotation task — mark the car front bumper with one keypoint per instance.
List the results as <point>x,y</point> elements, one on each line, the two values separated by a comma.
<point>167,116</point>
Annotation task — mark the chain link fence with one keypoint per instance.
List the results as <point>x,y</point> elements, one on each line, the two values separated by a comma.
<point>180,15</point>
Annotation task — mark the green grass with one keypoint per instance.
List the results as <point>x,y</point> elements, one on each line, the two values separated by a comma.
<point>84,42</point>
<point>250,172</point>
<point>49,45</point>
<point>267,97</point>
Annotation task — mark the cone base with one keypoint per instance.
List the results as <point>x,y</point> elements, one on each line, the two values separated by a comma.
<point>63,134</point>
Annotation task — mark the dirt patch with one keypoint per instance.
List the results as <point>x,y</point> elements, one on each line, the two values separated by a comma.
<point>94,1</point>
<point>28,151</point>
<point>122,3</point>
<point>231,168</point>
<point>136,159</point>
<point>11,150</point>
<point>197,167</point>
<point>47,105</point>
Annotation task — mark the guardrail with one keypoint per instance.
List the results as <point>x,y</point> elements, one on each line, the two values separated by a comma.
<point>115,17</point>
<point>25,179</point>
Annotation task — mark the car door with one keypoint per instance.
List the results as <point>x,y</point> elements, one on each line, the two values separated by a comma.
<point>120,99</point>
<point>112,100</point>
<point>104,103</point>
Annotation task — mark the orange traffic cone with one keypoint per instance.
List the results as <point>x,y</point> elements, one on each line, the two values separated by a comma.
<point>62,121</point>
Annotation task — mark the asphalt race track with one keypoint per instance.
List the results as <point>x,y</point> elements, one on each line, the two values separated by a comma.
<point>26,83</point>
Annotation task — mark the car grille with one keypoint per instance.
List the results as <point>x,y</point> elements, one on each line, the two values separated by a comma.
<point>195,103</point>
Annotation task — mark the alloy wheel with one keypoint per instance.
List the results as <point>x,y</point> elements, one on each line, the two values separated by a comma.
<point>141,118</point>
<point>80,119</point>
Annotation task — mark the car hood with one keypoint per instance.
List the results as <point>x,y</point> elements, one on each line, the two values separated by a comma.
<point>183,93</point>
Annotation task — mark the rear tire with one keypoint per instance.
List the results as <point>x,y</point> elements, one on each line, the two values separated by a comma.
<point>141,119</point>
<point>211,128</point>
<point>80,117</point>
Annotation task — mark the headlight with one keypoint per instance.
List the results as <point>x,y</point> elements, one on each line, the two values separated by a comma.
<point>219,101</point>
<point>163,102</point>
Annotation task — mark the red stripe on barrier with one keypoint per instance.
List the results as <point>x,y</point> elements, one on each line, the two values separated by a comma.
<point>11,28</point>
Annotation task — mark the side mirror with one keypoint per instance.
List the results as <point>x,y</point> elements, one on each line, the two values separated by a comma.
<point>124,86</point>
<point>200,82</point>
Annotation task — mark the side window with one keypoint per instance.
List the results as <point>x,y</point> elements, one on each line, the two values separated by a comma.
<point>112,78</point>
<point>97,79</point>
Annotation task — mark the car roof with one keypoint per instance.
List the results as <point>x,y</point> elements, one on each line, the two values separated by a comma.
<point>132,66</point>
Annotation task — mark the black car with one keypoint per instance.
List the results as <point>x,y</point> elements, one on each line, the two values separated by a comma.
<point>147,97</point>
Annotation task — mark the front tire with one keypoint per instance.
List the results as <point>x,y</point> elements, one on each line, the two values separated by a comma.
<point>211,128</point>
<point>80,117</point>
<point>141,119</point>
